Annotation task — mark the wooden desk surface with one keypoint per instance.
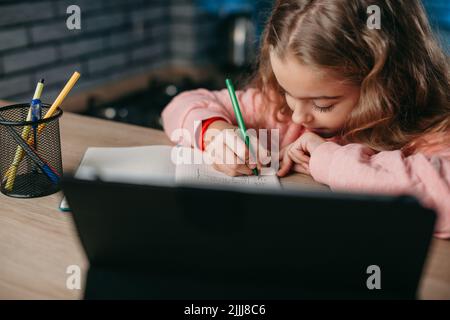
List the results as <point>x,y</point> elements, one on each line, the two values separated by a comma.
<point>38,242</point>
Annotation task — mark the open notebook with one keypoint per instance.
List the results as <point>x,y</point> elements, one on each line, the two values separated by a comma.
<point>161,164</point>
<point>164,165</point>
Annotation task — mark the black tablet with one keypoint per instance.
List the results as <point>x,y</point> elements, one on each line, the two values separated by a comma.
<point>208,242</point>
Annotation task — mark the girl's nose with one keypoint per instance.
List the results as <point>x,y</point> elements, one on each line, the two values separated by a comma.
<point>301,115</point>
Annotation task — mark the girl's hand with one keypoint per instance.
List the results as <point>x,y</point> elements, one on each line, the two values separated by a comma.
<point>296,155</point>
<point>228,152</point>
<point>293,160</point>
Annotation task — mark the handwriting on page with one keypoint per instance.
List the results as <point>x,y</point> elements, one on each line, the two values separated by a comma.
<point>205,174</point>
<point>242,180</point>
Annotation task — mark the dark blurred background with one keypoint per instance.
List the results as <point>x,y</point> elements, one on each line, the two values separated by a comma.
<point>135,55</point>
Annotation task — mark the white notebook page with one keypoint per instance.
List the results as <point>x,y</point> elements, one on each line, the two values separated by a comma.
<point>162,164</point>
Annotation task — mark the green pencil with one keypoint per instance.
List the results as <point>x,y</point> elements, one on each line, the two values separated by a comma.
<point>240,120</point>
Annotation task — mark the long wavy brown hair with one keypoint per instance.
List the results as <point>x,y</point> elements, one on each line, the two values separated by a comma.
<point>402,70</point>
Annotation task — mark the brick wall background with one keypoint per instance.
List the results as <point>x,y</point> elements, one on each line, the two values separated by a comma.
<point>118,38</point>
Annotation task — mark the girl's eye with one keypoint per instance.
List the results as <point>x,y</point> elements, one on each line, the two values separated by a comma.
<point>323,109</point>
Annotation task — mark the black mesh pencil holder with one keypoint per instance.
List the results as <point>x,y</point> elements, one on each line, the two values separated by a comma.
<point>30,163</point>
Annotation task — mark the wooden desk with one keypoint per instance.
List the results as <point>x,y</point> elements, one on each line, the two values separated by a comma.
<point>38,242</point>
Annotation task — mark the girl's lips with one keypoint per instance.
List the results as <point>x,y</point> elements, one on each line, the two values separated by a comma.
<point>316,129</point>
<point>324,133</point>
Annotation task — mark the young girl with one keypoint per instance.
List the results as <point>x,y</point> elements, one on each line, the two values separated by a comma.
<point>357,108</point>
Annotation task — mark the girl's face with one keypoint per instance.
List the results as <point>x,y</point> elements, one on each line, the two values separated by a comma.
<point>319,102</point>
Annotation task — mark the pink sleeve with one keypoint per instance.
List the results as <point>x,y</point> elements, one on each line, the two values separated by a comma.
<point>357,168</point>
<point>182,117</point>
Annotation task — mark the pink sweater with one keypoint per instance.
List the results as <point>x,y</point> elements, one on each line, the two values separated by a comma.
<point>352,167</point>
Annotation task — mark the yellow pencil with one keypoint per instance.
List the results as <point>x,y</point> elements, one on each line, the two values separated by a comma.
<point>11,173</point>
